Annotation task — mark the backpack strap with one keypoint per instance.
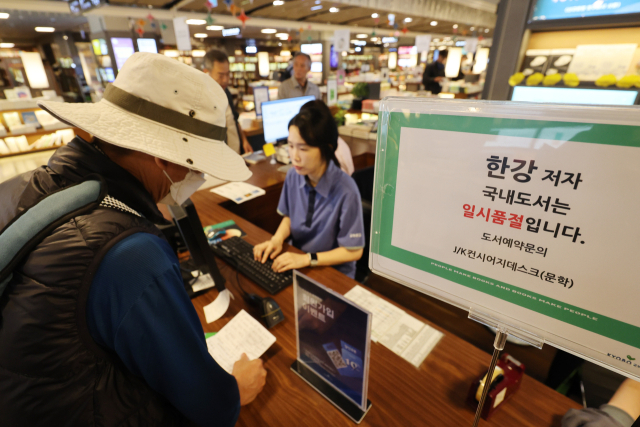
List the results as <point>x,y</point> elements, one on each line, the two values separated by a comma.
<point>31,226</point>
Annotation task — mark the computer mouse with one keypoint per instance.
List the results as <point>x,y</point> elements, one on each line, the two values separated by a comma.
<point>270,312</point>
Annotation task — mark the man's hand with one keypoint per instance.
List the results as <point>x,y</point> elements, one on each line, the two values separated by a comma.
<point>246,146</point>
<point>290,261</point>
<point>438,79</point>
<point>269,249</point>
<point>250,376</point>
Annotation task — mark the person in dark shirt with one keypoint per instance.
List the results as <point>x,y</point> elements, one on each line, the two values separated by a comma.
<point>216,65</point>
<point>434,73</point>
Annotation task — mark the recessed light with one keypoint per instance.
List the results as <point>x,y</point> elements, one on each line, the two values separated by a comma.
<point>268,31</point>
<point>7,45</point>
<point>4,15</point>
<point>196,21</point>
<point>198,53</point>
<point>434,23</point>
<point>283,35</point>
<point>334,10</point>
<point>362,36</point>
<point>278,3</point>
<point>316,7</point>
<point>374,15</point>
<point>486,30</point>
<point>472,28</point>
<point>201,35</point>
<point>45,29</point>
<point>408,19</point>
<point>358,49</point>
<point>215,28</point>
<point>455,26</point>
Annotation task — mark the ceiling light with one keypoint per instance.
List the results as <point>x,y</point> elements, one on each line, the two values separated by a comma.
<point>7,45</point>
<point>282,35</point>
<point>374,39</point>
<point>472,28</point>
<point>362,36</point>
<point>215,28</point>
<point>198,53</point>
<point>278,3</point>
<point>318,2</point>
<point>486,30</point>
<point>334,10</point>
<point>455,26</point>
<point>196,21</point>
<point>434,23</point>
<point>45,29</point>
<point>344,53</point>
<point>201,35</point>
<point>4,15</point>
<point>279,44</point>
<point>374,15</point>
<point>268,31</point>
<point>408,19</point>
<point>358,49</point>
<point>316,7</point>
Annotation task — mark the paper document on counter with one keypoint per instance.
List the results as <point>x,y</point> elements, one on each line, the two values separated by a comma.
<point>384,313</point>
<point>243,334</point>
<point>403,334</point>
<point>239,192</point>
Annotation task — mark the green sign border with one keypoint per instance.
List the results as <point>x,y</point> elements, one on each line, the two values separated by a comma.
<point>386,176</point>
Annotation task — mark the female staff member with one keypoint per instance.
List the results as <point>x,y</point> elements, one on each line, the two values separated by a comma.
<point>319,202</point>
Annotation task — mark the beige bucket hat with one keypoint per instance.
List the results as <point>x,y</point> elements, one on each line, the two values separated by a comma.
<point>164,108</point>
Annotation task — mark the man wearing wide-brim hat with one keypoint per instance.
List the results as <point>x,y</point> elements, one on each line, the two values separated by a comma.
<point>96,327</point>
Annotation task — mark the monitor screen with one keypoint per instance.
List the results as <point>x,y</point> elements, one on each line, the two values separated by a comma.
<point>122,50</point>
<point>276,116</point>
<point>560,95</point>
<point>554,9</point>
<point>316,67</point>
<point>311,48</point>
<point>147,45</point>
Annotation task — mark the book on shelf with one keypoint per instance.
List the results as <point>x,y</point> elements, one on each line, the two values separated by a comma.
<point>29,118</point>
<point>4,150</point>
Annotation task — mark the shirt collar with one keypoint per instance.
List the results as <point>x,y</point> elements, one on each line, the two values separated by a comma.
<point>323,187</point>
<point>297,85</point>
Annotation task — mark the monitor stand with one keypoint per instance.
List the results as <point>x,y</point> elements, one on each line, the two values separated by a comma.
<point>339,400</point>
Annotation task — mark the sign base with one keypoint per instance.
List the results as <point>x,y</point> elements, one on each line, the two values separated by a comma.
<point>349,408</point>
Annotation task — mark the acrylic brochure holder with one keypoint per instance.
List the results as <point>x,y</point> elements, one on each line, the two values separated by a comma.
<point>523,214</point>
<point>333,337</point>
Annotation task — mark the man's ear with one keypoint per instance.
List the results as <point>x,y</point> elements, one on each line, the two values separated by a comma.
<point>162,164</point>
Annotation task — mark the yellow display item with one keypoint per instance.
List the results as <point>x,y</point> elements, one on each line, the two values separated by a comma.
<point>516,79</point>
<point>629,81</point>
<point>534,79</point>
<point>606,80</point>
<point>552,80</point>
<point>571,80</point>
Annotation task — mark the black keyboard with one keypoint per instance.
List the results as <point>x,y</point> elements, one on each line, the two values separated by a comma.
<point>237,252</point>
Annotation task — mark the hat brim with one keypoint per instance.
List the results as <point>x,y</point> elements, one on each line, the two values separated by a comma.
<point>116,126</point>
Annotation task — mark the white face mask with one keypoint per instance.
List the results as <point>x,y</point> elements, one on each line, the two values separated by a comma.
<point>182,190</point>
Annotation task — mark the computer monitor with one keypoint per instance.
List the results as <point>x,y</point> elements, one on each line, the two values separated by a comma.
<point>188,222</point>
<point>276,116</point>
<point>575,95</point>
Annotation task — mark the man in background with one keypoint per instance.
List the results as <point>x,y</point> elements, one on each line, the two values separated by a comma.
<point>216,65</point>
<point>298,85</point>
<point>434,73</point>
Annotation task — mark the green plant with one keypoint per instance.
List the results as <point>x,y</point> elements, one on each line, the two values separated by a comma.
<point>360,90</point>
<point>339,117</point>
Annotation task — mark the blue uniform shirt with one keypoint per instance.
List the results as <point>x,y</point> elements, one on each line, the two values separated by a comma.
<point>334,220</point>
<point>138,309</point>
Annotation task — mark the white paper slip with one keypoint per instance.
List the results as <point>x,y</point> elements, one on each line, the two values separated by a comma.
<point>421,346</point>
<point>243,334</point>
<point>384,313</point>
<point>399,336</point>
<point>239,192</point>
<point>218,307</point>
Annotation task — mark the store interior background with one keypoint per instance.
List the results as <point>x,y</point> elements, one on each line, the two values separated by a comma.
<point>80,55</point>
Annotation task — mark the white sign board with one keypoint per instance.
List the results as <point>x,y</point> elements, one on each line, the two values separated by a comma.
<point>471,44</point>
<point>530,222</point>
<point>181,28</point>
<point>592,61</point>
<point>423,43</point>
<point>341,40</point>
<point>332,92</point>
